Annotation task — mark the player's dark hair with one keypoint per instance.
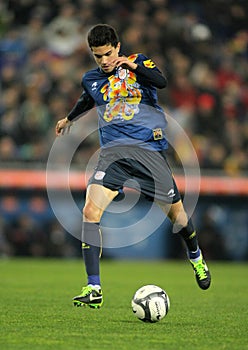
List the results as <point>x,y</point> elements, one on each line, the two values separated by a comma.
<point>102,34</point>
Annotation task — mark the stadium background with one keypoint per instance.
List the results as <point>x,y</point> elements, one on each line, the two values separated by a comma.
<point>202,47</point>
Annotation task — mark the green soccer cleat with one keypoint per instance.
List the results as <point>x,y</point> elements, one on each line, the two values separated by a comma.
<point>202,273</point>
<point>89,296</point>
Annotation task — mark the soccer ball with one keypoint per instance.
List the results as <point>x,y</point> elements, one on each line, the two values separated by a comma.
<point>150,303</point>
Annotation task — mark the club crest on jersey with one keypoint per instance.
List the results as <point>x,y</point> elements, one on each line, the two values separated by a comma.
<point>157,134</point>
<point>149,64</point>
<point>122,73</point>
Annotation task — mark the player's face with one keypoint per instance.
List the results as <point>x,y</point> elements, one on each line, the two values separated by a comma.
<point>105,55</point>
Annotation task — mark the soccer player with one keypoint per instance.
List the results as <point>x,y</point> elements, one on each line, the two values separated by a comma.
<point>133,147</point>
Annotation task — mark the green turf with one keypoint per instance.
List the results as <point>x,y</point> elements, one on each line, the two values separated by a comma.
<point>37,313</point>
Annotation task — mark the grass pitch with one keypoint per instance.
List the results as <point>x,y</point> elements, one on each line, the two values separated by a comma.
<point>37,312</point>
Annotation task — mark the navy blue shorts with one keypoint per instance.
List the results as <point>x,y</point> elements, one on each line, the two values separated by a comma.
<point>140,169</point>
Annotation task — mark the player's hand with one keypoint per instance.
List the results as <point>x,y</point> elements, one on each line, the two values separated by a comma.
<point>63,126</point>
<point>123,61</point>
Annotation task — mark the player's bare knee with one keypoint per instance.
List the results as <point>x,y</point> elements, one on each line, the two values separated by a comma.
<point>179,219</point>
<point>91,213</point>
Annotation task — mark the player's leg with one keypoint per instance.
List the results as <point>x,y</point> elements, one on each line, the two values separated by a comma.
<point>185,228</point>
<point>98,198</point>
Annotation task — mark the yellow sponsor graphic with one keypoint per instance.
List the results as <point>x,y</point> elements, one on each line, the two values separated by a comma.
<point>123,94</point>
<point>149,64</point>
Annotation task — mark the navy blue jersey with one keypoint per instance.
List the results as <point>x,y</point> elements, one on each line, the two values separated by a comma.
<point>127,104</point>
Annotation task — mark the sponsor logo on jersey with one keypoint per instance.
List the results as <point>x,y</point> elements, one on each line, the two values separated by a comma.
<point>124,95</point>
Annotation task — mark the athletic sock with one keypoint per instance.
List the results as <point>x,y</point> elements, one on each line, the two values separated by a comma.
<point>194,256</point>
<point>189,236</point>
<point>91,248</point>
<point>95,286</point>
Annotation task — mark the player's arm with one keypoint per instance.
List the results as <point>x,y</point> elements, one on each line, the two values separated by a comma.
<point>151,76</point>
<point>83,104</point>
<point>146,70</point>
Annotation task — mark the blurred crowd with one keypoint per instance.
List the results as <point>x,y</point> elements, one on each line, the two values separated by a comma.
<point>28,227</point>
<point>201,46</point>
